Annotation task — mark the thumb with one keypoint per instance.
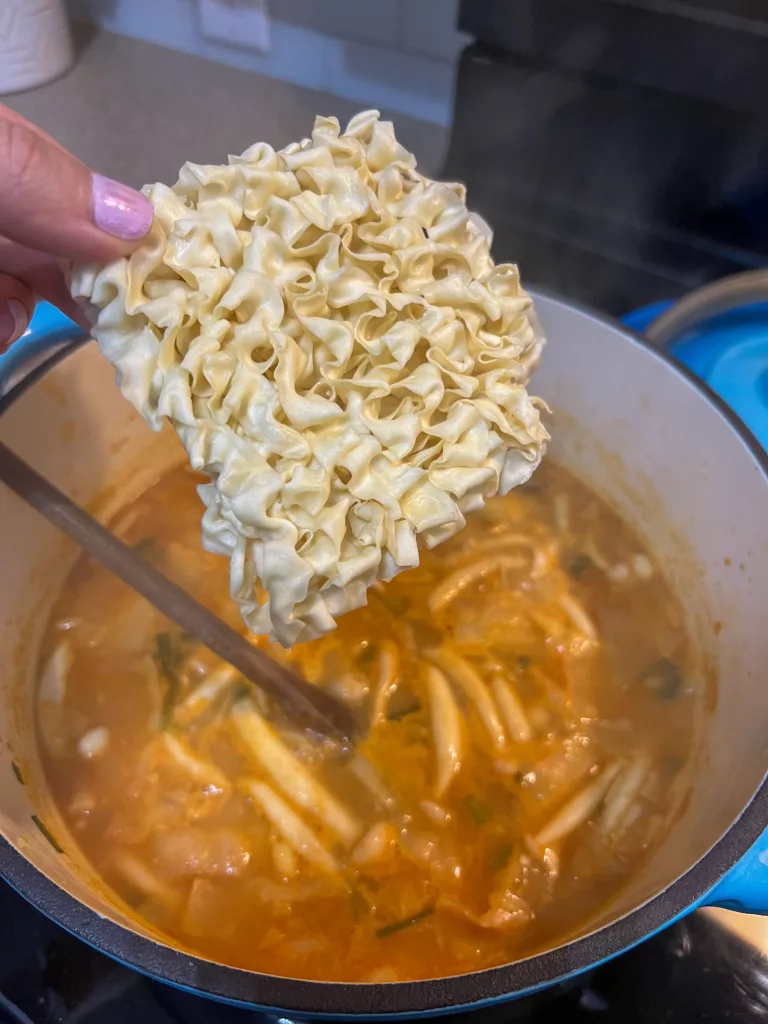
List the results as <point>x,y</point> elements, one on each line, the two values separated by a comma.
<point>51,202</point>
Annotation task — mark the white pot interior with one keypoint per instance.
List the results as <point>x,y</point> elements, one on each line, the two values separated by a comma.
<point>625,422</point>
<point>74,427</point>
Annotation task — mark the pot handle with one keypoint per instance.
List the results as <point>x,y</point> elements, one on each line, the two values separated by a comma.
<point>745,887</point>
<point>729,293</point>
<point>49,331</point>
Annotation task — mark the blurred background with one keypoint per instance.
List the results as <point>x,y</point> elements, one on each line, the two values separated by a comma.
<point>618,147</point>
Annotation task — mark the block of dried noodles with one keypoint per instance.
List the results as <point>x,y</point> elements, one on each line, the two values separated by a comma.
<point>327,332</point>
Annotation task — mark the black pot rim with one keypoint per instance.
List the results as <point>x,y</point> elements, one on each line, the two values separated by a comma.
<point>437,996</point>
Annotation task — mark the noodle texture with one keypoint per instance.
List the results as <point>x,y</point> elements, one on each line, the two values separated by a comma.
<point>327,332</point>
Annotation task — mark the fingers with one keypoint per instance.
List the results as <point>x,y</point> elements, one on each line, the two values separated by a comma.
<point>42,274</point>
<point>11,115</point>
<point>52,208</point>
<point>17,303</point>
<point>51,202</point>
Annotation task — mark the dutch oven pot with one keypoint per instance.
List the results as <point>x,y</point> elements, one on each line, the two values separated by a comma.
<point>628,421</point>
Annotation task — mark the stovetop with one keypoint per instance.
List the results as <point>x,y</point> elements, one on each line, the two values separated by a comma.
<point>584,133</point>
<point>695,971</point>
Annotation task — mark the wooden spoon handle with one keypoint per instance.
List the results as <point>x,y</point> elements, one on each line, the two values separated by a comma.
<point>304,704</point>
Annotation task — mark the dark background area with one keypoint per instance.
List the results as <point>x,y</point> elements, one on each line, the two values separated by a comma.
<point>619,147</point>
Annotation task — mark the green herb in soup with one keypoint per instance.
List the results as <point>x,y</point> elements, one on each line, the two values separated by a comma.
<point>523,692</point>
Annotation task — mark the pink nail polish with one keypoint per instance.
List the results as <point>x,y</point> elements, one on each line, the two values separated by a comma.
<point>13,322</point>
<point>119,210</point>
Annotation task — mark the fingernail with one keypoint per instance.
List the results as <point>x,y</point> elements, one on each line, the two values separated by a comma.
<point>13,322</point>
<point>119,210</point>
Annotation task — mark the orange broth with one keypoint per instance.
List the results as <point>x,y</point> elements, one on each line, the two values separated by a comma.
<point>551,633</point>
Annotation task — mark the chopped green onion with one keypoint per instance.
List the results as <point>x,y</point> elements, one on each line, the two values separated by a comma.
<point>396,714</point>
<point>398,926</point>
<point>47,834</point>
<point>671,765</point>
<point>17,773</point>
<point>479,812</point>
<point>167,656</point>
<point>395,604</point>
<point>501,858</point>
<point>578,565</point>
<point>169,702</point>
<point>242,690</point>
<point>368,654</point>
<point>148,549</point>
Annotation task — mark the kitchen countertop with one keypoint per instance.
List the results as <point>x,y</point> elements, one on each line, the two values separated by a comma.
<point>136,111</point>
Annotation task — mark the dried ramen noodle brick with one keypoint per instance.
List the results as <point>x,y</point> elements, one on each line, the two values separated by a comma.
<point>328,334</point>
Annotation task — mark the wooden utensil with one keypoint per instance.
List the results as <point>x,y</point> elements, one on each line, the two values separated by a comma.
<point>304,704</point>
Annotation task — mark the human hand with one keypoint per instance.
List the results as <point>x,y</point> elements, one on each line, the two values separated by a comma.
<point>53,209</point>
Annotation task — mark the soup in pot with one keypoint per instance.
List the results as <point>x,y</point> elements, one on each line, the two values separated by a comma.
<point>527,699</point>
